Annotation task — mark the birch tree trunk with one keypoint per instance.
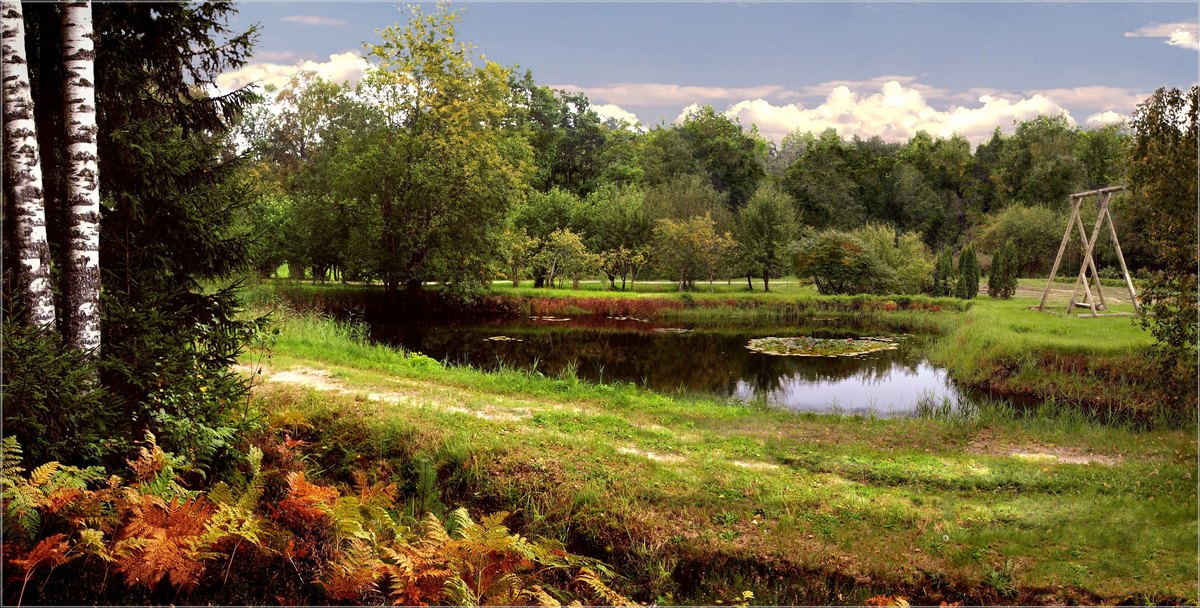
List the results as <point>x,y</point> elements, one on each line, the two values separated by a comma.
<point>22,160</point>
<point>83,189</point>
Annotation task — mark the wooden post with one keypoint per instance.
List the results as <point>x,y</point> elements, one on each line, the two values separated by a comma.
<point>1062,248</point>
<point>1089,243</point>
<point>1084,266</point>
<point>1112,230</point>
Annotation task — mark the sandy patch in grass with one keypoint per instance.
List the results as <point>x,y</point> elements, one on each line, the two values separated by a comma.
<point>672,458</point>
<point>323,380</point>
<point>986,444</point>
<point>493,414</point>
<point>318,379</point>
<point>1048,454</point>
<point>754,465</point>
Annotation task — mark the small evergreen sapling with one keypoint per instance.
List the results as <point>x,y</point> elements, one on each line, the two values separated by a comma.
<point>943,275</point>
<point>1002,281</point>
<point>968,275</point>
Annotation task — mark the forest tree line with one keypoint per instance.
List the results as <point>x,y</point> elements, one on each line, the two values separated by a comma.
<point>437,167</point>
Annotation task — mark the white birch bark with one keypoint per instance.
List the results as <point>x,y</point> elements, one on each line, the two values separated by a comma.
<point>83,187</point>
<point>22,160</point>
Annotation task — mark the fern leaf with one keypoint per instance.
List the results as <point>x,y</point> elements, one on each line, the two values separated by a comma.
<point>600,590</point>
<point>459,520</point>
<point>458,593</point>
<point>433,533</point>
<point>91,542</point>
<point>10,458</point>
<point>50,551</point>
<point>221,494</point>
<point>503,591</point>
<point>539,597</point>
<point>254,486</point>
<point>41,475</point>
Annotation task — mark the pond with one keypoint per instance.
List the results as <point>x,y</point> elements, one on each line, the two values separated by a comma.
<point>684,358</point>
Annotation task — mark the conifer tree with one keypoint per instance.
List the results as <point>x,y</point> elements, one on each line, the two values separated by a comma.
<point>997,273</point>
<point>968,275</point>
<point>943,275</point>
<point>1008,287</point>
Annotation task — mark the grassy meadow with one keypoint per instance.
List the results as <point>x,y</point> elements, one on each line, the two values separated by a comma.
<point>700,499</point>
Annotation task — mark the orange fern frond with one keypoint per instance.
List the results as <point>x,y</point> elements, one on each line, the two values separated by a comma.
<point>158,541</point>
<point>50,551</point>
<point>307,503</point>
<point>354,573</point>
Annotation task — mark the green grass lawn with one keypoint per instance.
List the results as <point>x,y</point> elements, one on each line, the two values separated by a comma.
<point>696,500</point>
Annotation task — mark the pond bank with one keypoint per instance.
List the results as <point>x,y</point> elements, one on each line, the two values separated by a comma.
<point>695,500</point>
<point>1097,367</point>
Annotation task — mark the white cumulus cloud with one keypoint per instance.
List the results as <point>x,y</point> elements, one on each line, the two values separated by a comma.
<point>612,110</point>
<point>340,67</point>
<point>1182,34</point>
<point>896,112</point>
<point>1107,117</point>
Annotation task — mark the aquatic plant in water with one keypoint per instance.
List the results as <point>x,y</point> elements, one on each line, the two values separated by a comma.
<point>805,346</point>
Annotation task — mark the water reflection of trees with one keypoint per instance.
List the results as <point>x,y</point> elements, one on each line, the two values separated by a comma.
<point>716,362</point>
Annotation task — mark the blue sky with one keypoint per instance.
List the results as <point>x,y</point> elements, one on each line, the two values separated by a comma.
<point>864,69</point>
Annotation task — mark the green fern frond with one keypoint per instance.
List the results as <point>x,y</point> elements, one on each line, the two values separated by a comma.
<point>600,590</point>
<point>459,520</point>
<point>74,478</point>
<point>91,542</point>
<point>503,591</point>
<point>458,593</point>
<point>254,485</point>
<point>221,494</point>
<point>10,458</point>
<point>433,533</point>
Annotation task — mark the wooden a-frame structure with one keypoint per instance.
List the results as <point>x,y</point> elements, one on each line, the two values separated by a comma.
<point>1104,195</point>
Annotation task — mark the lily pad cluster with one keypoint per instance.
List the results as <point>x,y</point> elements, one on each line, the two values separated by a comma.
<point>805,346</point>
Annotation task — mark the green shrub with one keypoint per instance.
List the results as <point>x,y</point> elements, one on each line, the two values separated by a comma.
<point>1035,233</point>
<point>839,263</point>
<point>904,253</point>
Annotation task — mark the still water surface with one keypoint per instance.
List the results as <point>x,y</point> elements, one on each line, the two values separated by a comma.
<point>691,359</point>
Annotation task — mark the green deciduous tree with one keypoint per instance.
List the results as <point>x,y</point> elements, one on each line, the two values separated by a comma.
<point>729,156</point>
<point>689,249</point>
<point>1035,233</point>
<point>765,229</point>
<point>1162,174</point>
<point>564,255</point>
<point>616,228</point>
<point>439,163</point>
<point>1038,164</point>
<point>822,184</point>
